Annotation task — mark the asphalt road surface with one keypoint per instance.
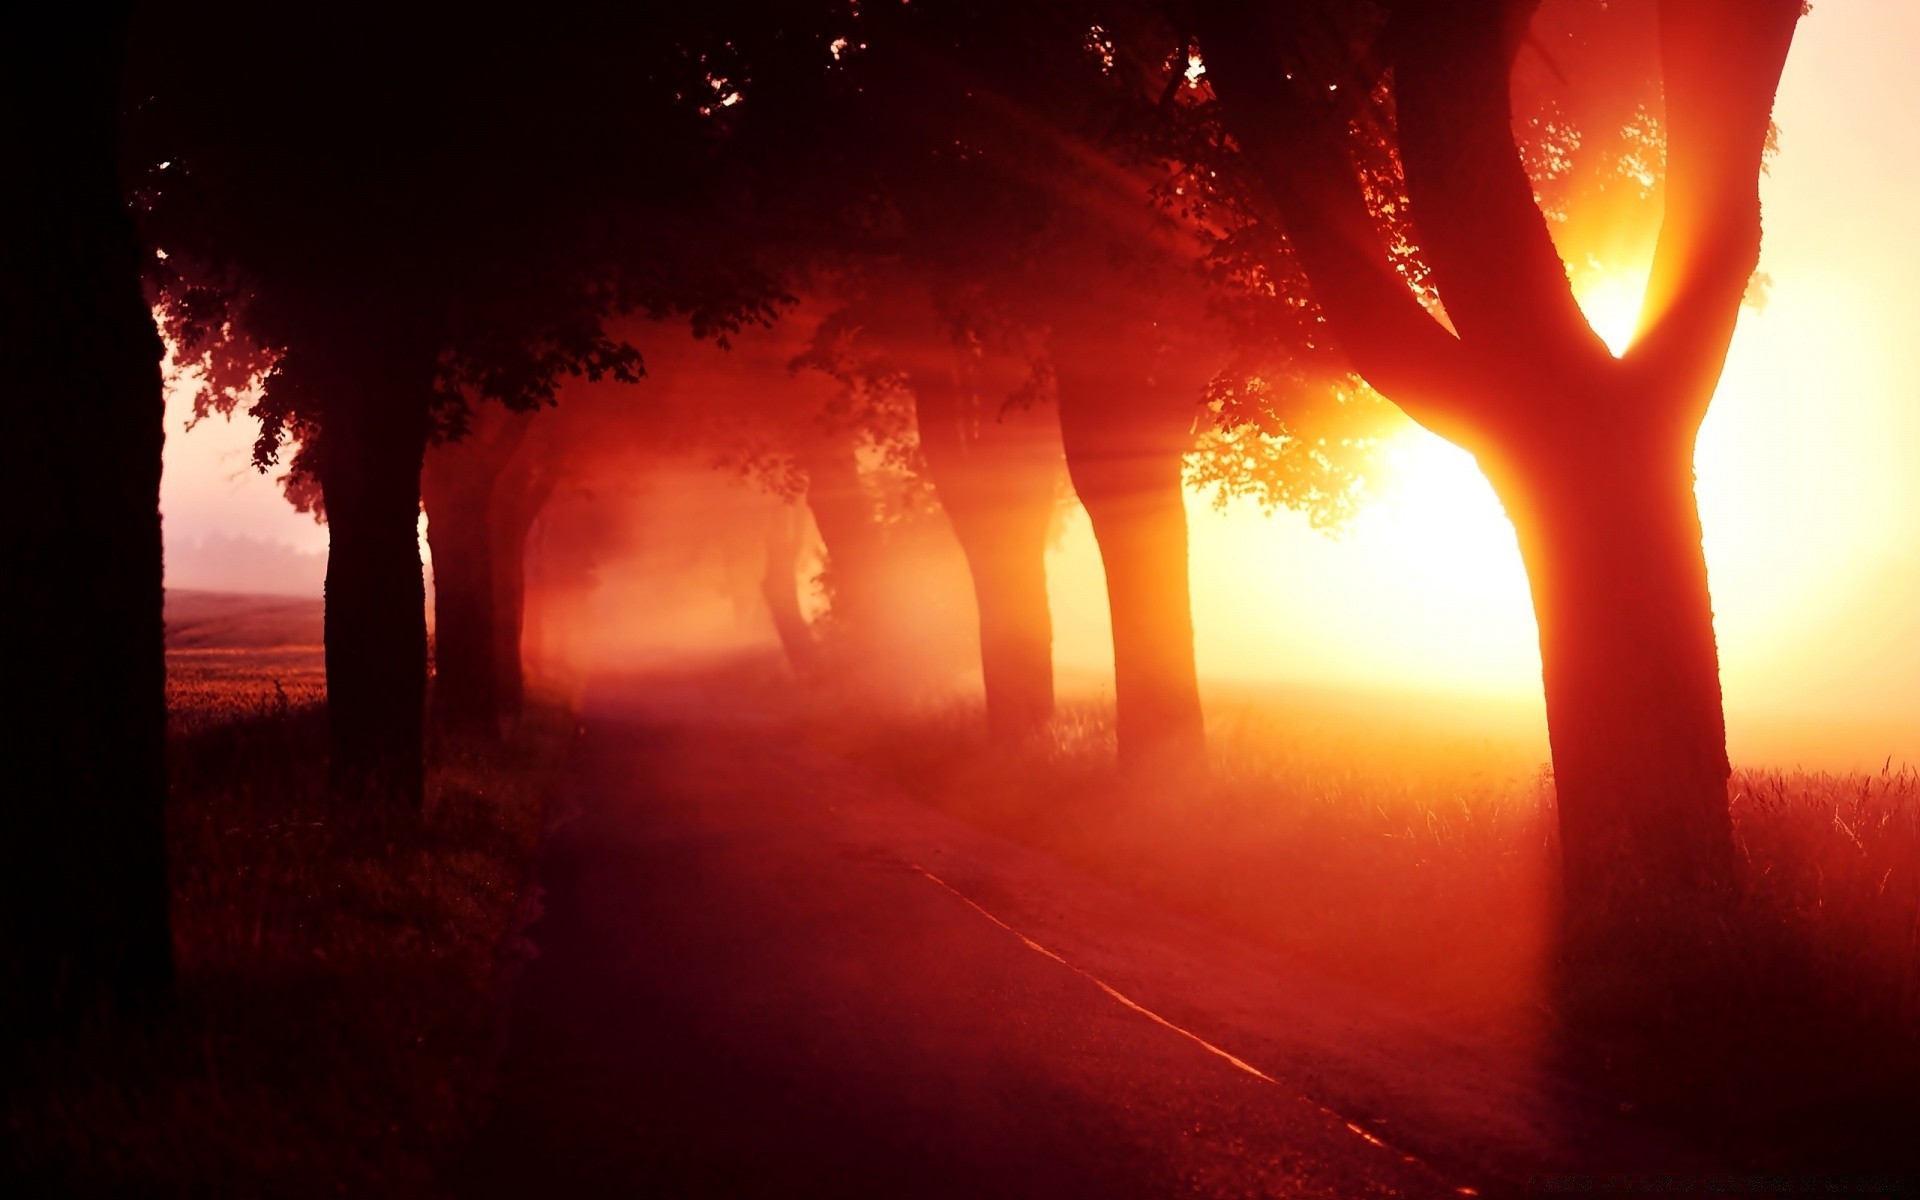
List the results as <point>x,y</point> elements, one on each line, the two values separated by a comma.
<point>762,972</point>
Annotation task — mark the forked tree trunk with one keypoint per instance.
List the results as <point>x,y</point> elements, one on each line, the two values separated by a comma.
<point>82,841</point>
<point>372,442</point>
<point>1125,455</point>
<point>1610,533</point>
<point>1600,489</point>
<point>995,479</point>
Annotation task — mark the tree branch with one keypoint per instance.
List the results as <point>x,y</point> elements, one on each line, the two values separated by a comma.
<point>1301,162</point>
<point>1494,262</point>
<point>1722,61</point>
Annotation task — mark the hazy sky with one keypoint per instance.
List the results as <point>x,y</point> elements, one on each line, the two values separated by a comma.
<point>1809,470</point>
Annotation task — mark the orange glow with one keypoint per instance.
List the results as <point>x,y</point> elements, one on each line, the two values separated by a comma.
<point>1808,486</point>
<point>1808,490</point>
<point>1612,301</point>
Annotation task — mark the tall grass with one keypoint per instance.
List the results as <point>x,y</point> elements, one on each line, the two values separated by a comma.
<point>337,1002</point>
<point>1422,861</point>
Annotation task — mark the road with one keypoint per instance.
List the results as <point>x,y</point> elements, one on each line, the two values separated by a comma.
<point>762,972</point>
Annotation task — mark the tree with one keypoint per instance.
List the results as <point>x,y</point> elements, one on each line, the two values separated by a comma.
<point>993,456</point>
<point>520,494</point>
<point>1006,160</point>
<point>986,442</point>
<point>965,160</point>
<point>473,600</point>
<point>385,215</point>
<point>1591,454</point>
<point>83,838</point>
<point>1130,395</point>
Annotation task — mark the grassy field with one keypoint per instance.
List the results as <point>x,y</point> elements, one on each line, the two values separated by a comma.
<point>339,978</point>
<point>1415,857</point>
<point>233,658</point>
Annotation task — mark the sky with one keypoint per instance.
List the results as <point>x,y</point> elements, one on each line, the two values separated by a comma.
<point>1809,480</point>
<point>227,527</point>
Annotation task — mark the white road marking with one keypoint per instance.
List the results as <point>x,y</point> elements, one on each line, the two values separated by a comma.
<point>1236,1061</point>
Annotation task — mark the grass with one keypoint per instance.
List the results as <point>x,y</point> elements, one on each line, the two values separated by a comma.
<point>339,978</point>
<point>1421,861</point>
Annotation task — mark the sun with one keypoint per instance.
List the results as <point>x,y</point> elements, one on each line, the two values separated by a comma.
<point>1612,301</point>
<point>1438,515</point>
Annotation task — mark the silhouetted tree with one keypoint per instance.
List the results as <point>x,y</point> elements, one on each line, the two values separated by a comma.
<point>1006,159</point>
<point>82,847</point>
<point>993,456</point>
<point>1591,454</point>
<point>983,426</point>
<point>520,493</point>
<point>412,210</point>
<point>459,488</point>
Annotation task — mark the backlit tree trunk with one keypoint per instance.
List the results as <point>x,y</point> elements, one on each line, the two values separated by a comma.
<point>780,589</point>
<point>372,441</point>
<point>461,486</point>
<point>846,519</point>
<point>1593,456</point>
<point>995,474</point>
<point>521,494</point>
<point>1125,441</point>
<point>1610,532</point>
<point>82,846</point>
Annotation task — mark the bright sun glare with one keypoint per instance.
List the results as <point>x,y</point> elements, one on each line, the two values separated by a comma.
<point>1612,303</point>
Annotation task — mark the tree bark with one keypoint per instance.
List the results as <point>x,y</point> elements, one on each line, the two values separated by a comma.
<point>995,475</point>
<point>1006,555</point>
<point>1593,457</point>
<point>1125,441</point>
<point>1610,532</point>
<point>780,589</point>
<point>82,841</point>
<point>372,441</point>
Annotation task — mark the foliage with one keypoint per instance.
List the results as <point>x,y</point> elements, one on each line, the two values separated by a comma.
<point>1413,853</point>
<point>490,185</point>
<point>1030,175</point>
<point>1314,458</point>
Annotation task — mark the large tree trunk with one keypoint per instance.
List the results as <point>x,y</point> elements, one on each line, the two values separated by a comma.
<point>1125,441</point>
<point>82,847</point>
<point>995,476</point>
<point>1598,479</point>
<point>1610,532</point>
<point>372,443</point>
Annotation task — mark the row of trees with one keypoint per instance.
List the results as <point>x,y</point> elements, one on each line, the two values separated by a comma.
<point>1082,234</point>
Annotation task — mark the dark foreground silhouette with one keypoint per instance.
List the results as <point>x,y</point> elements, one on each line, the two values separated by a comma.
<point>760,972</point>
